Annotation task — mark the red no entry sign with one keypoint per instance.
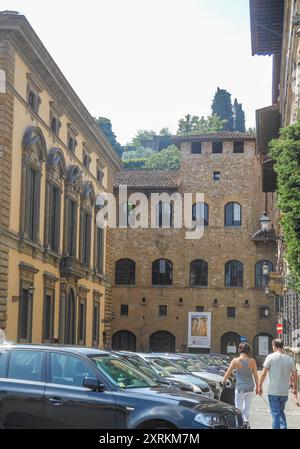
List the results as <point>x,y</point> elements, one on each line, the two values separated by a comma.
<point>279,328</point>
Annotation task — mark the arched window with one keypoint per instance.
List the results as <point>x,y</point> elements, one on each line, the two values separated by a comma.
<point>233,214</point>
<point>234,274</point>
<point>34,155</point>
<point>73,188</point>
<point>125,272</point>
<point>199,273</point>
<point>162,272</point>
<point>261,279</point>
<point>200,211</point>
<point>55,163</point>
<point>164,214</point>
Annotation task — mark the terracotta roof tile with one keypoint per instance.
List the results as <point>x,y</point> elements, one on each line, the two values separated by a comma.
<point>221,135</point>
<point>147,178</point>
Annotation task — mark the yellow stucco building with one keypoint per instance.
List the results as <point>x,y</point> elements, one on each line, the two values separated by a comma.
<point>55,281</point>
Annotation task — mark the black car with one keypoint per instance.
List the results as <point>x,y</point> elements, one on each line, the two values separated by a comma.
<point>75,387</point>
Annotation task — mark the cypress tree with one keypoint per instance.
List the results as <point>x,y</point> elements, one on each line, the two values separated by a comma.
<point>222,106</point>
<point>239,117</point>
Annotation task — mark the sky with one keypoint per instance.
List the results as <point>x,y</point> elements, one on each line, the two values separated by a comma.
<point>145,64</point>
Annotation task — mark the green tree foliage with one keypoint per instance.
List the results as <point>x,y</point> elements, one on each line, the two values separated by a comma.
<point>222,107</point>
<point>134,164</point>
<point>200,125</point>
<point>169,158</point>
<point>286,153</point>
<point>251,131</point>
<point>165,132</point>
<point>104,124</point>
<point>140,152</point>
<point>239,117</point>
<point>140,135</point>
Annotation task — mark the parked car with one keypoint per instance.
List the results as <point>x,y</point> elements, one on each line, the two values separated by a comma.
<point>212,364</point>
<point>185,383</point>
<point>170,363</point>
<point>74,387</point>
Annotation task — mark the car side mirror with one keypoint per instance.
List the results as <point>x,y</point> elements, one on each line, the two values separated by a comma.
<point>93,384</point>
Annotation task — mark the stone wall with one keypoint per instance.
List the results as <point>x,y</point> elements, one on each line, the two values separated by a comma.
<point>6,130</point>
<point>240,182</point>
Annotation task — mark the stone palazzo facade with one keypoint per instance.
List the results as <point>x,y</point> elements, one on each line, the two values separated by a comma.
<point>55,268</point>
<point>160,276</point>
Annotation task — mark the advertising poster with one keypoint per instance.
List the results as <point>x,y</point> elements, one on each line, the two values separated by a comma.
<point>199,329</point>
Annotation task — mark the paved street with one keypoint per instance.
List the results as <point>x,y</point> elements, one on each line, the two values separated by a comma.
<point>260,417</point>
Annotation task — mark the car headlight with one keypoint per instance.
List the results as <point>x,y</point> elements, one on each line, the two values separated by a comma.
<point>210,420</point>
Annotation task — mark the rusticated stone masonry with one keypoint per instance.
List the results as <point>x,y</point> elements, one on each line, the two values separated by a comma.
<point>6,131</point>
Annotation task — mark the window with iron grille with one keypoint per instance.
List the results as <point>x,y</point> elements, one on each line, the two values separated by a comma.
<point>263,313</point>
<point>231,312</point>
<point>199,308</point>
<point>124,309</point>
<point>163,310</point>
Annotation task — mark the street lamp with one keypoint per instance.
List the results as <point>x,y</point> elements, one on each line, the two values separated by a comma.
<point>265,269</point>
<point>265,222</point>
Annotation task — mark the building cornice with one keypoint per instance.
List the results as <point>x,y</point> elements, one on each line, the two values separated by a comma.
<point>16,29</point>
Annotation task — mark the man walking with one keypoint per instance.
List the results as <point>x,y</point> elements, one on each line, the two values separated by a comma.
<point>280,368</point>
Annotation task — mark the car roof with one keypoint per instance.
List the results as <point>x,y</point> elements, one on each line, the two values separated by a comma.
<point>55,347</point>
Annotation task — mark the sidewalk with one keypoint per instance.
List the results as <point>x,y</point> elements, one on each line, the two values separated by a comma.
<point>260,417</point>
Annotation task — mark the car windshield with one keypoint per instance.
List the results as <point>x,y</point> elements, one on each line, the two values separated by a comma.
<point>122,374</point>
<point>188,365</point>
<point>172,368</point>
<point>198,363</point>
<point>143,366</point>
<point>213,361</point>
<point>157,368</point>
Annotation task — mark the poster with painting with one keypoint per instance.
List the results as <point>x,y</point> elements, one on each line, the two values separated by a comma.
<point>199,329</point>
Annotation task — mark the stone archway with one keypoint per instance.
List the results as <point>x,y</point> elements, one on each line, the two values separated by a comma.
<point>162,341</point>
<point>230,342</point>
<point>124,341</point>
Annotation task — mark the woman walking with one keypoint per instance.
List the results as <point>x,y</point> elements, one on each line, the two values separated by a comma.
<point>246,370</point>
